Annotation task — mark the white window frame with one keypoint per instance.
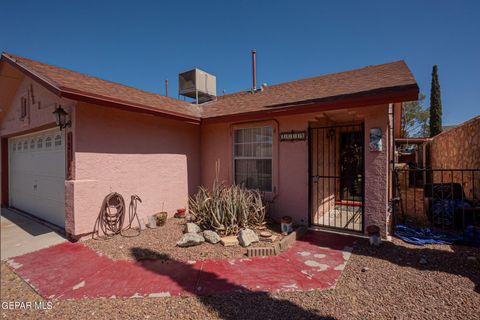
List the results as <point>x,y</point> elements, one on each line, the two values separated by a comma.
<point>271,157</point>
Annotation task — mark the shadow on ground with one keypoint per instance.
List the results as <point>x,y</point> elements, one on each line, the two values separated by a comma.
<point>233,301</point>
<point>26,223</point>
<point>454,262</point>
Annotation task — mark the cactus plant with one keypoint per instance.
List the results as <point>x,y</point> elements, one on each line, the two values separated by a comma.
<point>227,209</point>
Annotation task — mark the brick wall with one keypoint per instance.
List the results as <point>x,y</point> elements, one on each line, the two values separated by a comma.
<point>458,148</point>
<point>412,199</point>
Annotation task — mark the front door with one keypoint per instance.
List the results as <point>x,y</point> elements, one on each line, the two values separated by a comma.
<point>337,171</point>
<point>351,166</point>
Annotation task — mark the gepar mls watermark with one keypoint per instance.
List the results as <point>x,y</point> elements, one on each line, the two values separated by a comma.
<point>27,305</point>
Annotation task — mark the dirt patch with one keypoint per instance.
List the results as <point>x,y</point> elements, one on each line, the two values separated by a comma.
<point>395,285</point>
<point>162,240</point>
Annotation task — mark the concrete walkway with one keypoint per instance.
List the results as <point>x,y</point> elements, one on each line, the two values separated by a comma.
<point>74,271</point>
<point>20,235</point>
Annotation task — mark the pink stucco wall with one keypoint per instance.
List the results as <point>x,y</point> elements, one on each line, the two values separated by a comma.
<point>130,153</point>
<point>376,171</point>
<point>291,165</point>
<point>127,152</point>
<point>39,113</point>
<point>163,161</point>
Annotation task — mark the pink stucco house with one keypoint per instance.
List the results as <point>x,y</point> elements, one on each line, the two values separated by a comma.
<point>320,149</point>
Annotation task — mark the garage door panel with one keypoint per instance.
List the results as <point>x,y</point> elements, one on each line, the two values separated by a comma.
<point>23,161</point>
<point>50,187</point>
<point>21,180</point>
<point>44,184</point>
<point>51,212</point>
<point>47,209</point>
<point>37,175</point>
<point>51,166</point>
<point>20,196</point>
<point>24,200</point>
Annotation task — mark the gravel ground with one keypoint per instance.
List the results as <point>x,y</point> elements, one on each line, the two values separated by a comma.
<point>446,285</point>
<point>163,240</point>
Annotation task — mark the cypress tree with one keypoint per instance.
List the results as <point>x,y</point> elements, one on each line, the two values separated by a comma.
<point>435,105</point>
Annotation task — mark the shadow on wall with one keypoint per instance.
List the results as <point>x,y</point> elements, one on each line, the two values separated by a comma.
<point>238,303</point>
<point>107,130</point>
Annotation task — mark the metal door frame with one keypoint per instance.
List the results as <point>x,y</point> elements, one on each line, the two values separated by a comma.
<point>311,132</point>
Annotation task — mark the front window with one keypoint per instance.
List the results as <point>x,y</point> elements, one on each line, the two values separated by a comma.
<point>253,158</point>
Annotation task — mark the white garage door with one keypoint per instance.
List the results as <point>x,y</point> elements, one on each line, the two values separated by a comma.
<point>37,175</point>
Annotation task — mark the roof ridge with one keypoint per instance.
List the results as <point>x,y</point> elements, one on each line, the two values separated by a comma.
<point>16,57</point>
<point>321,76</point>
<point>226,95</point>
<point>42,76</point>
<point>392,80</point>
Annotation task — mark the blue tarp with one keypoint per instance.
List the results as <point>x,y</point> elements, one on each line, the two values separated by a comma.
<point>422,236</point>
<point>443,210</point>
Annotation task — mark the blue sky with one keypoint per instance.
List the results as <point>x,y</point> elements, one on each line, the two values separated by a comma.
<point>142,43</point>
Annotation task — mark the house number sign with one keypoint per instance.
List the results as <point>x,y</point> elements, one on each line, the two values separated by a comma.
<point>293,136</point>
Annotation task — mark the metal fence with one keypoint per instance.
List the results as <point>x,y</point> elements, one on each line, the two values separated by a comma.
<point>336,181</point>
<point>446,199</point>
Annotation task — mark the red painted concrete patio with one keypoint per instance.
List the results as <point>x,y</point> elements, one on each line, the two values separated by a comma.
<point>74,271</point>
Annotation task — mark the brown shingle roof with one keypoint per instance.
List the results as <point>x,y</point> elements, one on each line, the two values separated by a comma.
<point>70,81</point>
<point>392,77</point>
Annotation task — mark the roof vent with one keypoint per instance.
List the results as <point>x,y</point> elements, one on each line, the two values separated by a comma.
<point>198,85</point>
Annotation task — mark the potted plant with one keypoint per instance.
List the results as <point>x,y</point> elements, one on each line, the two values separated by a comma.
<point>161,218</point>
<point>181,213</point>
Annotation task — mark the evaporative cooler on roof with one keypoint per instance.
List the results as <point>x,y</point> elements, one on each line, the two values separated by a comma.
<point>198,85</point>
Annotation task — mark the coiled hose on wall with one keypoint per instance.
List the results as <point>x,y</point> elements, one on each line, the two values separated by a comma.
<point>112,215</point>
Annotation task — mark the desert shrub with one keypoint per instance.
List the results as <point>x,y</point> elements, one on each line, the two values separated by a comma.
<point>227,209</point>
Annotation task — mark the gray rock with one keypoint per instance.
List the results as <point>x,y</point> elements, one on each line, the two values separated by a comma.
<point>211,236</point>
<point>422,261</point>
<point>142,224</point>
<point>471,258</point>
<point>191,227</point>
<point>190,239</point>
<point>247,237</point>
<point>152,222</point>
<point>365,269</point>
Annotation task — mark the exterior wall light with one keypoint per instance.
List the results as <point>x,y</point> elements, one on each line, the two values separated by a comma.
<point>61,118</point>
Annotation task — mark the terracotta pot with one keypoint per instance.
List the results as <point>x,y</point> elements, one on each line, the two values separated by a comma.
<point>373,230</point>
<point>286,219</point>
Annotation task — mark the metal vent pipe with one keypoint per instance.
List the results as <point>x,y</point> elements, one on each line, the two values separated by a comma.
<point>254,69</point>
